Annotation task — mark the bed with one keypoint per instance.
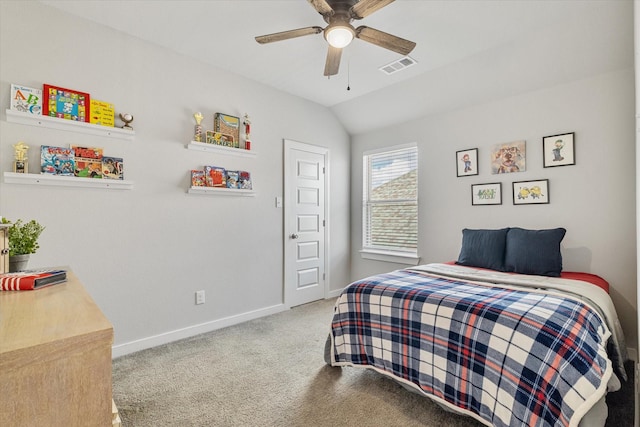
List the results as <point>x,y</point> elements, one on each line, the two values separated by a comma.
<point>502,335</point>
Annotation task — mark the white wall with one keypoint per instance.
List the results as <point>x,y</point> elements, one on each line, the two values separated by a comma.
<point>143,253</point>
<point>594,200</point>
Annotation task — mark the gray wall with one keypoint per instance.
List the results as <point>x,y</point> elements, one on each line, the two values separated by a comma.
<point>594,200</point>
<point>143,253</point>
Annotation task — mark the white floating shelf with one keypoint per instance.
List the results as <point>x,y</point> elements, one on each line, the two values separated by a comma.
<point>66,181</point>
<point>202,146</point>
<point>214,191</point>
<point>69,125</point>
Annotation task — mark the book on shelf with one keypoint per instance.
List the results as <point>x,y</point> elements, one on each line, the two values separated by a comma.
<point>112,167</point>
<point>88,161</point>
<point>57,160</point>
<point>215,176</point>
<point>65,103</point>
<point>244,180</point>
<point>26,99</point>
<point>197,178</point>
<point>28,280</point>
<point>218,138</point>
<point>102,113</point>
<point>232,179</point>
<point>228,125</point>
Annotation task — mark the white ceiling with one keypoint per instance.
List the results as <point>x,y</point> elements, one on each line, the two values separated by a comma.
<point>467,51</point>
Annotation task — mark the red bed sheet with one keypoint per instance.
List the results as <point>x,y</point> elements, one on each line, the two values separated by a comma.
<point>573,275</point>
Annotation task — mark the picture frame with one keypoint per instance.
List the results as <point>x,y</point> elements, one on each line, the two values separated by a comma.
<point>65,104</point>
<point>559,150</point>
<point>467,162</point>
<point>486,194</point>
<point>509,157</point>
<point>534,192</point>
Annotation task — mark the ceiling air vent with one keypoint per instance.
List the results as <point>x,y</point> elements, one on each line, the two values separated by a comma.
<point>398,65</point>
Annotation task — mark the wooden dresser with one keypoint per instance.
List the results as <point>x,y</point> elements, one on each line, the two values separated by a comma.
<point>55,358</point>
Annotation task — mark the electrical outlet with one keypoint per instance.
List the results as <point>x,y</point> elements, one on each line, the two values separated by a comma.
<point>199,297</point>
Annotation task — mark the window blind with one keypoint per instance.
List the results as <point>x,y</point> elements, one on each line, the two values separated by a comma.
<point>390,200</point>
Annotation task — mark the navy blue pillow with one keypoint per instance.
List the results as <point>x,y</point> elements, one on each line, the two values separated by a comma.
<point>483,248</point>
<point>534,251</point>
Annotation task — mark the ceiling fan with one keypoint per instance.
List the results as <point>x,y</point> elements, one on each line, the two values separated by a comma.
<point>339,33</point>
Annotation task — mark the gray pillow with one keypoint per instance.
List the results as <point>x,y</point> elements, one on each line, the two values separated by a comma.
<point>534,251</point>
<point>483,248</point>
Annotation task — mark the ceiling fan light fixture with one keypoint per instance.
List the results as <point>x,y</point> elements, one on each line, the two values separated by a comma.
<point>339,36</point>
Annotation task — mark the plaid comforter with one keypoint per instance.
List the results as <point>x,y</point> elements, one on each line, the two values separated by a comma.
<point>507,357</point>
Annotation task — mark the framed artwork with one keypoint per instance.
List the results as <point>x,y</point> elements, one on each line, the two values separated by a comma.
<point>65,103</point>
<point>467,162</point>
<point>559,150</point>
<point>486,194</point>
<point>509,157</point>
<point>531,192</point>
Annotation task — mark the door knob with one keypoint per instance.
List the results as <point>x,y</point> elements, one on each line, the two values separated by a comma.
<point>294,236</point>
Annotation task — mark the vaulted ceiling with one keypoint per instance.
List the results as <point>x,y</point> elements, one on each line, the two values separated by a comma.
<point>467,51</point>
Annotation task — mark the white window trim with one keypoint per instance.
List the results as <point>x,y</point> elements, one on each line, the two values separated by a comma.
<point>408,258</point>
<point>390,148</point>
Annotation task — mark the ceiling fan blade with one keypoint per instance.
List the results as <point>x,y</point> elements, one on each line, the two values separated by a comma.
<point>367,7</point>
<point>333,61</point>
<point>322,7</point>
<point>285,35</point>
<point>385,40</point>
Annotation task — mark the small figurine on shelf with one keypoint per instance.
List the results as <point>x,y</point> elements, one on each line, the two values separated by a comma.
<point>21,164</point>
<point>247,132</point>
<point>198,133</point>
<point>126,118</point>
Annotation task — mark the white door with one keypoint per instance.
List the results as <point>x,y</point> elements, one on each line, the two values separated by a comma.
<point>305,223</point>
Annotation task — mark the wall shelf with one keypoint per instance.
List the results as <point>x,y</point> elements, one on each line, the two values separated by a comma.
<point>69,125</point>
<point>201,146</point>
<point>214,191</point>
<point>66,181</point>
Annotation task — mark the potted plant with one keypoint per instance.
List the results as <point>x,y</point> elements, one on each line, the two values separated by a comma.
<point>23,241</point>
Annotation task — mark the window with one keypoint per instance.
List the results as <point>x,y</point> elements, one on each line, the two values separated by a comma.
<point>390,203</point>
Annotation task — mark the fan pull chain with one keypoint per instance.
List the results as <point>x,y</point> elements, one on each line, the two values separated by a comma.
<point>349,75</point>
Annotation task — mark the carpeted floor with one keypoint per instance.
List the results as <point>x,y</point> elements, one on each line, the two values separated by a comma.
<point>270,372</point>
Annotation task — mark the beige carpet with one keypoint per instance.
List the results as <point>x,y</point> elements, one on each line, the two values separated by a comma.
<point>267,372</point>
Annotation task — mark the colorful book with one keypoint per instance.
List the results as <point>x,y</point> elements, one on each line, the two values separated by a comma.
<point>228,125</point>
<point>65,103</point>
<point>215,176</point>
<point>102,113</point>
<point>29,280</point>
<point>112,167</point>
<point>57,160</point>
<point>197,178</point>
<point>244,180</point>
<point>88,162</point>
<point>26,99</point>
<point>232,179</point>
<point>218,138</point>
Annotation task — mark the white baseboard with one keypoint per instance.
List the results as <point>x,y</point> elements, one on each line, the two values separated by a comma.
<point>335,293</point>
<point>190,331</point>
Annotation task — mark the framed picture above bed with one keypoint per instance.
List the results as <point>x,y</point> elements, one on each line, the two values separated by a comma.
<point>467,162</point>
<point>531,192</point>
<point>486,194</point>
<point>509,157</point>
<point>559,150</point>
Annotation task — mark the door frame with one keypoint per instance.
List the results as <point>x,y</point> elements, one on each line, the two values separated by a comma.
<point>289,145</point>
